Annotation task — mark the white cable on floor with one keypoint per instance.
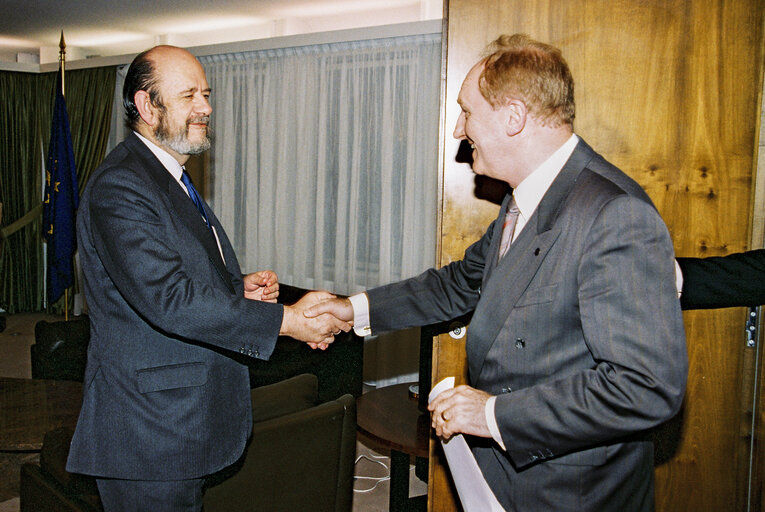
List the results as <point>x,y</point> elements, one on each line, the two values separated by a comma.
<point>377,480</point>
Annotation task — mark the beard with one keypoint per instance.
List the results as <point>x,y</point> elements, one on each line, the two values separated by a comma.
<point>178,140</point>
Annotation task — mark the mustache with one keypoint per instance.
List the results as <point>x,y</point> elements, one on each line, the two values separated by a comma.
<point>199,120</point>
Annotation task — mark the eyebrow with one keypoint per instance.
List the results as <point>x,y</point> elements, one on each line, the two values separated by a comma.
<point>193,90</point>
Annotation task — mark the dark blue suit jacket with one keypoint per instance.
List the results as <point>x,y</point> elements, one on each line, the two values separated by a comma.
<point>163,398</point>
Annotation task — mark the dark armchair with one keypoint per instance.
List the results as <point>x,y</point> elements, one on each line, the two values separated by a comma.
<point>60,349</point>
<point>300,457</point>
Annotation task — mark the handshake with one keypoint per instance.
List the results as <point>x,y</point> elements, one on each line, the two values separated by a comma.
<point>316,318</point>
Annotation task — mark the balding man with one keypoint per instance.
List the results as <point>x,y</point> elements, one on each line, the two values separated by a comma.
<point>164,403</point>
<point>576,345</point>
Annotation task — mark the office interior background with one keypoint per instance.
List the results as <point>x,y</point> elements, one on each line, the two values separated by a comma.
<point>670,91</point>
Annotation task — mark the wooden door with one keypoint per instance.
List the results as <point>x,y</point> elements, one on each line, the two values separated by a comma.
<point>669,91</point>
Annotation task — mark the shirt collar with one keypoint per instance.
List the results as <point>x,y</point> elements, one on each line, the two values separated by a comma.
<point>167,160</point>
<point>529,193</point>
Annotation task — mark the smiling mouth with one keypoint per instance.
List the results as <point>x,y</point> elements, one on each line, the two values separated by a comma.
<point>199,122</point>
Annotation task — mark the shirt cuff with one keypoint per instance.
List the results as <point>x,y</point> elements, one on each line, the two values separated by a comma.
<point>491,421</point>
<point>360,303</point>
<point>678,279</point>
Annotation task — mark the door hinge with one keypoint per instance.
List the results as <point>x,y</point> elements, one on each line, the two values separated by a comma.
<point>751,328</point>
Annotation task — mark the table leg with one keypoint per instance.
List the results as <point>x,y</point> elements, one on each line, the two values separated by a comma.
<point>399,486</point>
<point>399,481</point>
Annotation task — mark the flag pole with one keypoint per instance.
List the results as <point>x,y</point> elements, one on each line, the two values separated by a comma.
<point>62,66</point>
<point>61,197</point>
<point>62,60</point>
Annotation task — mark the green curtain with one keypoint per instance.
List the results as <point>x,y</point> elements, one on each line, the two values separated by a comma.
<point>22,114</point>
<point>26,104</point>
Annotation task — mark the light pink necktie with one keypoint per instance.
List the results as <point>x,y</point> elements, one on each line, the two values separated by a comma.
<point>511,218</point>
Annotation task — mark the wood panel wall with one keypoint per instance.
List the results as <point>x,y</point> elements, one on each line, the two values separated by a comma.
<point>670,92</point>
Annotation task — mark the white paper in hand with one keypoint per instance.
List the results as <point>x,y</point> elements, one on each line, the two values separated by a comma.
<point>474,492</point>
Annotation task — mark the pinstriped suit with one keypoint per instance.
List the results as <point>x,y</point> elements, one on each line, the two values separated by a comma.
<point>163,398</point>
<point>577,330</point>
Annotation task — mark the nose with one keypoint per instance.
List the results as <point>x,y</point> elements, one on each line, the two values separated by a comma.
<point>202,105</point>
<point>459,128</point>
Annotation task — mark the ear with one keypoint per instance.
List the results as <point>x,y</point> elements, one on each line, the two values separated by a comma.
<point>515,117</point>
<point>145,108</point>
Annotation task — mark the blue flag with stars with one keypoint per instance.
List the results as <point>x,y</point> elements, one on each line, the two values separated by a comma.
<point>60,201</point>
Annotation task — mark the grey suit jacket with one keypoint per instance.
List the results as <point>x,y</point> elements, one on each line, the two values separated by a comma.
<point>578,331</point>
<point>163,398</point>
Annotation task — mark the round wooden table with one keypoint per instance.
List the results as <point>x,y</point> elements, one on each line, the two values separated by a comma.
<point>392,418</point>
<point>31,407</point>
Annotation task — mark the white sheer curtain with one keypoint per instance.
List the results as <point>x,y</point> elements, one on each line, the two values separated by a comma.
<point>119,130</point>
<point>324,160</point>
<point>324,168</point>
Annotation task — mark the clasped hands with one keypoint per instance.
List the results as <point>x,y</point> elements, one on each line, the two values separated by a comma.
<point>319,316</point>
<point>317,327</point>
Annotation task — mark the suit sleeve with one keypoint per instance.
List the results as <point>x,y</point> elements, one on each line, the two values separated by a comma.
<point>163,279</point>
<point>436,295</point>
<point>723,282</point>
<point>631,326</point>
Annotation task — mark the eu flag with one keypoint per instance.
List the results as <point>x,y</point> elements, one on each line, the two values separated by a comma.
<point>60,201</point>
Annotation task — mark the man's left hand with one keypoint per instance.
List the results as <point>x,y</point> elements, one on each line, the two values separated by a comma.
<point>460,411</point>
<point>262,285</point>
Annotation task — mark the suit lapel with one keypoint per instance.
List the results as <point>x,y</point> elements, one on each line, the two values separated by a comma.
<point>184,208</point>
<point>506,281</point>
<point>189,215</point>
<point>504,287</point>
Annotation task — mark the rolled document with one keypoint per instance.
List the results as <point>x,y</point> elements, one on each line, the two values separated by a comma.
<point>474,492</point>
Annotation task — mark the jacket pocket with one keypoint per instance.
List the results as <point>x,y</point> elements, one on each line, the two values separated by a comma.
<point>539,295</point>
<point>172,376</point>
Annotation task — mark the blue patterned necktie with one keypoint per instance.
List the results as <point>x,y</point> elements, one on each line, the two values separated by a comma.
<point>186,179</point>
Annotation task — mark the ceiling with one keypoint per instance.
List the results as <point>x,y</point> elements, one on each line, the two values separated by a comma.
<point>30,30</point>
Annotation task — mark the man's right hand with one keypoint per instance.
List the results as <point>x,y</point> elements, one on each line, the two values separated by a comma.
<point>318,329</point>
<point>337,307</point>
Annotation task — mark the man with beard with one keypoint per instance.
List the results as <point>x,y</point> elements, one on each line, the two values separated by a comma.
<point>165,403</point>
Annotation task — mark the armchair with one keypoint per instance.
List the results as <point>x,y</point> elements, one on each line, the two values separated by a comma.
<point>60,349</point>
<point>300,457</point>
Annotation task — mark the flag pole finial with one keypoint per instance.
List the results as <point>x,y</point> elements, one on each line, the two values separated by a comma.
<point>62,59</point>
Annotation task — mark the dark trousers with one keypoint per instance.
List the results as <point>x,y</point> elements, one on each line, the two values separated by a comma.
<point>147,495</point>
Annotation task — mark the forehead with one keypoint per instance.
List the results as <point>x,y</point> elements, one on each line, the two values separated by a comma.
<point>469,92</point>
<point>179,71</point>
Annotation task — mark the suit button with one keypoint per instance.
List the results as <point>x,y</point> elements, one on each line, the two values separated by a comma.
<point>241,350</point>
<point>519,343</point>
<point>507,389</point>
<point>249,352</point>
<point>257,353</point>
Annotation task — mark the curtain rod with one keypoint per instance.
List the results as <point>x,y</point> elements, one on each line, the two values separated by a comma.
<point>334,36</point>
